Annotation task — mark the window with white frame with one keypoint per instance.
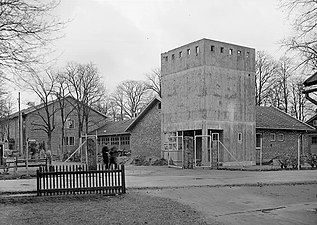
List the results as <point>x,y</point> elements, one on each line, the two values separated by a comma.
<point>272,137</point>
<point>280,137</point>
<point>125,140</point>
<point>104,141</point>
<point>70,123</point>
<point>258,140</point>
<point>114,140</point>
<point>69,141</point>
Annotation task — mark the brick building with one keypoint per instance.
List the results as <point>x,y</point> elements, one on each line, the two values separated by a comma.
<point>208,94</point>
<point>278,134</point>
<point>33,123</point>
<point>140,136</point>
<point>312,141</point>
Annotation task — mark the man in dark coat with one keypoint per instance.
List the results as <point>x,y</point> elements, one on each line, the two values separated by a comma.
<point>105,156</point>
<point>113,156</point>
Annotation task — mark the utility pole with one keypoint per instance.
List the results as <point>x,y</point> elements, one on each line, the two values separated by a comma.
<point>20,126</point>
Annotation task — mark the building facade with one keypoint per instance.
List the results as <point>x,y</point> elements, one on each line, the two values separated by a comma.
<point>313,135</point>
<point>208,94</point>
<point>140,136</point>
<point>279,134</point>
<point>34,120</point>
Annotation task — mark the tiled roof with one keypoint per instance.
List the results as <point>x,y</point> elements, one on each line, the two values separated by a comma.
<point>273,118</point>
<point>113,127</point>
<point>40,106</point>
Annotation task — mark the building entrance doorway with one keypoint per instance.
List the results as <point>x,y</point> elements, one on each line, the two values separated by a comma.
<point>202,151</point>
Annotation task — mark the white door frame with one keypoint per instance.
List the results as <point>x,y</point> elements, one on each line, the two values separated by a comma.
<point>195,150</point>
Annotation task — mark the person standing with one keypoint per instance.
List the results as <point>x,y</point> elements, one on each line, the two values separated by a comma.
<point>48,157</point>
<point>105,156</point>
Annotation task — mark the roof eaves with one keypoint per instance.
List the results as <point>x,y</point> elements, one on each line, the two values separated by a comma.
<point>289,129</point>
<point>113,134</point>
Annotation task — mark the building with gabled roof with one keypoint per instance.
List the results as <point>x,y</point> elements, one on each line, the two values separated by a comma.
<point>33,123</point>
<point>278,134</point>
<point>140,135</point>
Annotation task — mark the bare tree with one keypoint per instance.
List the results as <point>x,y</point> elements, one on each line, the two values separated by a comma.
<point>303,14</point>
<point>154,81</point>
<point>130,96</point>
<point>27,27</point>
<point>274,96</point>
<point>300,108</point>
<point>43,85</point>
<point>265,76</point>
<point>118,107</point>
<point>104,105</point>
<point>6,107</point>
<point>61,93</point>
<point>84,84</point>
<point>284,72</point>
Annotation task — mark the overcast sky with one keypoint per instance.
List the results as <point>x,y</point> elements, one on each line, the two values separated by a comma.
<point>124,39</point>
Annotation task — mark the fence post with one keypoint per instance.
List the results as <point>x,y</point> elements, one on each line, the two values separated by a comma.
<point>38,180</point>
<point>123,179</point>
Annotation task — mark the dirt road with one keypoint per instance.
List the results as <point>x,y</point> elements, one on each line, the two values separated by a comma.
<point>277,204</point>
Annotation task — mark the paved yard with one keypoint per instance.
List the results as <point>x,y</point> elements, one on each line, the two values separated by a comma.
<point>282,204</point>
<point>215,196</point>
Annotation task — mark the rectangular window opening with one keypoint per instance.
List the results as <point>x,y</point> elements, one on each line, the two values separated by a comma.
<point>248,53</point>
<point>230,51</point>
<point>69,141</point>
<point>314,140</point>
<point>197,50</point>
<point>239,52</point>
<point>70,123</point>
<point>280,137</point>
<point>166,58</point>
<point>173,56</point>
<point>272,137</point>
<point>180,54</point>
<point>221,49</point>
<point>212,48</point>
<point>258,143</point>
<point>125,140</point>
<point>188,51</point>
<point>240,137</point>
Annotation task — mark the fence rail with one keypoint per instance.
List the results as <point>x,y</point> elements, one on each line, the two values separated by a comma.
<point>63,180</point>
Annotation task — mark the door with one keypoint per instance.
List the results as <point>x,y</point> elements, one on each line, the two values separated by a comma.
<point>1,154</point>
<point>175,151</point>
<point>202,151</point>
<point>258,147</point>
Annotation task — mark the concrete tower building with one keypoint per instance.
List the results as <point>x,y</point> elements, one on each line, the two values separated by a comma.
<point>208,94</point>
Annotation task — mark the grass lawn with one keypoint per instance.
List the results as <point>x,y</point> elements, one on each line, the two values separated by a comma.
<point>131,208</point>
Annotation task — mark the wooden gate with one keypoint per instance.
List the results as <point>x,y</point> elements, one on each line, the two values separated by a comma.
<point>63,180</point>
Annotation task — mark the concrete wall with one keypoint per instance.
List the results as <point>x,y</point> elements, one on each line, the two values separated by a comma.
<point>211,89</point>
<point>145,139</point>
